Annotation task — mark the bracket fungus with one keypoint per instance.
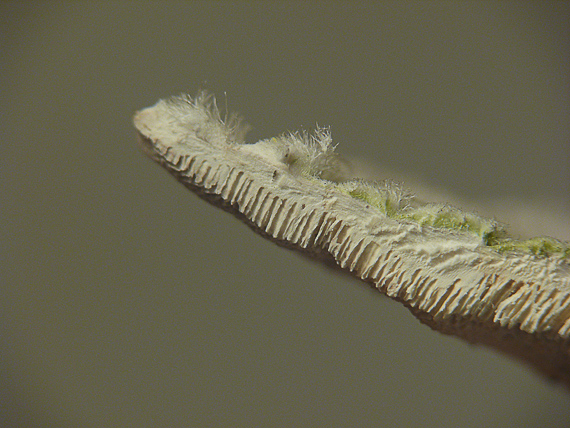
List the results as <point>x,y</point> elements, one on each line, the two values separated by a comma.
<point>457,272</point>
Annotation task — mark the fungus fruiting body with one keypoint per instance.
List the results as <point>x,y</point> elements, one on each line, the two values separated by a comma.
<point>456,271</point>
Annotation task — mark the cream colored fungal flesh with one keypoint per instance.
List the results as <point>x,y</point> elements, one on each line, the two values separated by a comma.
<point>457,272</point>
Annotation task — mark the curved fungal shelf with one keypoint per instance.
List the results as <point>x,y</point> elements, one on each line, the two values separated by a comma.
<point>457,272</point>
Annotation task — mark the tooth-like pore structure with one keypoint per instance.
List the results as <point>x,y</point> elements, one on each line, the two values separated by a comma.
<point>457,272</point>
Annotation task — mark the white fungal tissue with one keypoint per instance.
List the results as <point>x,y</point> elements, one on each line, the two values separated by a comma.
<point>457,272</point>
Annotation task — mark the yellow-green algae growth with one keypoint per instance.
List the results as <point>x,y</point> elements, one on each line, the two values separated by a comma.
<point>393,202</point>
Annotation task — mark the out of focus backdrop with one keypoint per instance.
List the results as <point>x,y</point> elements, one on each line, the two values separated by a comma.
<point>126,301</point>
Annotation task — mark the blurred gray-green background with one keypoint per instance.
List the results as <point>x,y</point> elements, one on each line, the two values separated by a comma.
<point>128,302</point>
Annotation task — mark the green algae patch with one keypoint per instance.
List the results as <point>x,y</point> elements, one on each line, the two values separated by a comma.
<point>448,217</point>
<point>541,246</point>
<point>389,198</point>
<point>393,202</point>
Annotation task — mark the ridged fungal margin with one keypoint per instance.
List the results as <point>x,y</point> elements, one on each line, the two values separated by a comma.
<point>457,272</point>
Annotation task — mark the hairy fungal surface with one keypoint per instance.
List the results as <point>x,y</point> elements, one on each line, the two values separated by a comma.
<point>457,272</point>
